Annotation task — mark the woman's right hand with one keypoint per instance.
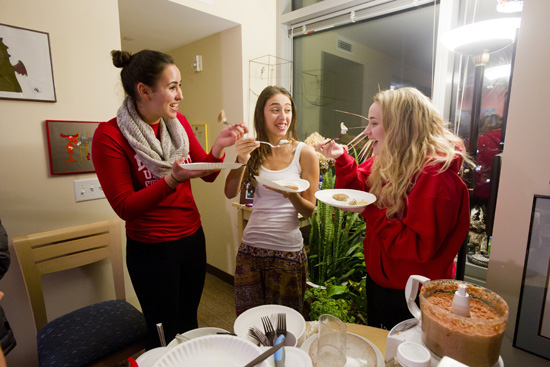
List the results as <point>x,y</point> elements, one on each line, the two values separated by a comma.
<point>330,149</point>
<point>244,147</point>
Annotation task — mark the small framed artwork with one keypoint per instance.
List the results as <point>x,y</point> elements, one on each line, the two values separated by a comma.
<point>201,133</point>
<point>533,320</point>
<point>70,146</point>
<point>26,71</point>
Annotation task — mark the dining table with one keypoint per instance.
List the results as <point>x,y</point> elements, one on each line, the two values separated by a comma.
<point>376,335</point>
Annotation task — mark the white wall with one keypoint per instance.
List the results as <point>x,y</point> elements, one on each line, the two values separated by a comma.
<point>525,168</point>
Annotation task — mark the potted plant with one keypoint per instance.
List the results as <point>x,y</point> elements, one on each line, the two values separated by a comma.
<point>336,262</point>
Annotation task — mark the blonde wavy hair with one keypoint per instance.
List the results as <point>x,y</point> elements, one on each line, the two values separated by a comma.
<point>259,155</point>
<point>416,136</point>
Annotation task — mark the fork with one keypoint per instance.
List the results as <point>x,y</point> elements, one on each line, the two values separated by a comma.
<point>257,335</point>
<point>268,329</point>
<point>281,143</point>
<point>281,324</point>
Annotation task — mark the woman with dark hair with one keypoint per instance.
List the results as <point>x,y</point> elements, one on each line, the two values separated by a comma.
<point>271,262</point>
<point>421,216</point>
<point>137,157</point>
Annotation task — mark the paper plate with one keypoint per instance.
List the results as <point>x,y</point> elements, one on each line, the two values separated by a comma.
<point>196,333</point>
<point>300,184</point>
<point>211,351</point>
<point>359,351</point>
<point>296,357</point>
<point>352,199</point>
<point>201,166</point>
<point>295,322</point>
<point>148,358</point>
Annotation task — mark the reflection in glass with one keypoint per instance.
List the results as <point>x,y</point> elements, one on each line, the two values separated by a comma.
<point>343,67</point>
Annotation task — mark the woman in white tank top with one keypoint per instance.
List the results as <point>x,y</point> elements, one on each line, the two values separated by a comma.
<point>271,262</point>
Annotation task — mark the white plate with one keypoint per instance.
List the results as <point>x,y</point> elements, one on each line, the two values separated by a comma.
<point>211,351</point>
<point>201,166</point>
<point>359,351</point>
<point>302,185</point>
<point>196,333</point>
<point>151,356</point>
<point>296,357</point>
<point>295,322</point>
<point>362,198</point>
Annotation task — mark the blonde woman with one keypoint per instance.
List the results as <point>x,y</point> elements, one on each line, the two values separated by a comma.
<point>271,262</point>
<point>421,216</point>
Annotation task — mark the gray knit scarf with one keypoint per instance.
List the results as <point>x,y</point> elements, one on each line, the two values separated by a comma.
<point>157,155</point>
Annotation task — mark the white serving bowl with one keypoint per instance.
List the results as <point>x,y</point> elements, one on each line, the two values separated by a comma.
<point>295,322</point>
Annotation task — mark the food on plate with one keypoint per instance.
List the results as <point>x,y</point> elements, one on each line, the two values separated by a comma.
<point>340,197</point>
<point>292,187</point>
<point>355,202</point>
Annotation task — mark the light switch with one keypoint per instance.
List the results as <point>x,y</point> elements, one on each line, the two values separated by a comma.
<point>87,189</point>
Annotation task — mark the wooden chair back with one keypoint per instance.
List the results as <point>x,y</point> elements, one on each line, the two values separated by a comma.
<point>68,248</point>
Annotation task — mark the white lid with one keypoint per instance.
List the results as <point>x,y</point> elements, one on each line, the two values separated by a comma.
<point>413,355</point>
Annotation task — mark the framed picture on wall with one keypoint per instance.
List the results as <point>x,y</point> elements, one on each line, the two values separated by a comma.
<point>26,71</point>
<point>70,146</point>
<point>533,320</point>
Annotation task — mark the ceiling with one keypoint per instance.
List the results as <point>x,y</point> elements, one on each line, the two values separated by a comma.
<point>163,25</point>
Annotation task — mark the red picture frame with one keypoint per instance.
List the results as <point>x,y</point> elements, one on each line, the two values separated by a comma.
<point>70,146</point>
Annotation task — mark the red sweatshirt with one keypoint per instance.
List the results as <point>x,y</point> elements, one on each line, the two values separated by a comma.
<point>152,210</point>
<point>427,239</point>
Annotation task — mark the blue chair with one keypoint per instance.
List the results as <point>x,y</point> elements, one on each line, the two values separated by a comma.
<point>100,334</point>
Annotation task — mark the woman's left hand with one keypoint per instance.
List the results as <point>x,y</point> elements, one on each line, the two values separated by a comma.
<point>286,194</point>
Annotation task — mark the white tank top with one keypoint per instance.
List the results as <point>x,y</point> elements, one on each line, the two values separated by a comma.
<point>274,223</point>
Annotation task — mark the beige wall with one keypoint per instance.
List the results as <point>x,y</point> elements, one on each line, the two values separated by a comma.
<point>88,89</point>
<point>525,168</point>
<point>217,51</point>
<point>32,200</point>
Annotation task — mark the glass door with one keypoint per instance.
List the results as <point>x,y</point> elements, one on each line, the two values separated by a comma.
<point>479,106</point>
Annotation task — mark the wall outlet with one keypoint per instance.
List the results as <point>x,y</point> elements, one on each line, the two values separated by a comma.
<point>87,189</point>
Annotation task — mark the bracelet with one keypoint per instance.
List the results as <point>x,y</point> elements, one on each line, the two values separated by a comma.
<point>171,174</point>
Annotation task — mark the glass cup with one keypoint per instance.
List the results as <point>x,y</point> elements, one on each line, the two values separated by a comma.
<point>331,347</point>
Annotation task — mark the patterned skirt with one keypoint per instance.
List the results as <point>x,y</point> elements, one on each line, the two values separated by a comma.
<point>265,276</point>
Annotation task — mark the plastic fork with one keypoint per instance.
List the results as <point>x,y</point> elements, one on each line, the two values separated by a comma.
<point>257,335</point>
<point>281,324</point>
<point>281,143</point>
<point>268,329</point>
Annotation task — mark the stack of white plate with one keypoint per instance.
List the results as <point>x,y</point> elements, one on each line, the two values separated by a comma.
<point>295,322</point>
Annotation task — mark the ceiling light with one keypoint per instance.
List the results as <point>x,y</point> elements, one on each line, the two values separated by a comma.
<point>489,36</point>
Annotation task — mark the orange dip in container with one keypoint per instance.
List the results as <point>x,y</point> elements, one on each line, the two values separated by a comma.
<point>475,340</point>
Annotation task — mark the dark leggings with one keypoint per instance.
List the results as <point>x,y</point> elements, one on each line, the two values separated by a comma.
<point>168,278</point>
<point>386,307</point>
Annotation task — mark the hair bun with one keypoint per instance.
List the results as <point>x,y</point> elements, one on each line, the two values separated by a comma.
<point>120,58</point>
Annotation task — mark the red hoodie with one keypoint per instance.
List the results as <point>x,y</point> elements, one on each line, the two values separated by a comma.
<point>427,239</point>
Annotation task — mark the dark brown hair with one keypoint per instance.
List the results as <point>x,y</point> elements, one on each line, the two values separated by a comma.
<point>259,155</point>
<point>143,67</point>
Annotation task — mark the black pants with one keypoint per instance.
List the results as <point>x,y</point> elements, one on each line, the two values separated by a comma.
<point>168,278</point>
<point>386,307</point>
